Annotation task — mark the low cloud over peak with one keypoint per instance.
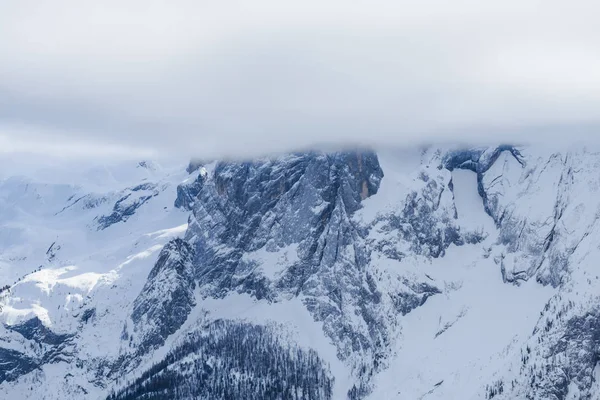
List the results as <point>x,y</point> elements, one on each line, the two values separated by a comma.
<point>244,78</point>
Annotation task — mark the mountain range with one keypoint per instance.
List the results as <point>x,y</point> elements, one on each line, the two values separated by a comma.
<point>415,273</point>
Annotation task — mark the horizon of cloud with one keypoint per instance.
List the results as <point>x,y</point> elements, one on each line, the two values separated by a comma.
<point>242,79</point>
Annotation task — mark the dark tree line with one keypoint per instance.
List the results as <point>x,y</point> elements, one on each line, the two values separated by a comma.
<point>232,360</point>
<point>494,390</point>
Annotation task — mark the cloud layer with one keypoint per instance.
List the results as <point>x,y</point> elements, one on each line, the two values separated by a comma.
<point>241,78</point>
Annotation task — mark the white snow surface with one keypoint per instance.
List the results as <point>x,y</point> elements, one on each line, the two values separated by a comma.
<point>469,205</point>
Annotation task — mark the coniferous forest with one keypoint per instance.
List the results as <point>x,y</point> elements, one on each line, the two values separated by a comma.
<point>233,360</point>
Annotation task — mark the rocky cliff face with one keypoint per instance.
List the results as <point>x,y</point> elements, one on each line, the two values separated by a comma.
<point>371,271</point>
<point>284,228</point>
<point>281,228</point>
<point>167,297</point>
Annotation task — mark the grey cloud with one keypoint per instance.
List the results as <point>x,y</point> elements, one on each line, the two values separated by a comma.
<point>197,79</point>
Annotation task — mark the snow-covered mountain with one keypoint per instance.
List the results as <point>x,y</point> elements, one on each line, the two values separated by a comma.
<point>435,273</point>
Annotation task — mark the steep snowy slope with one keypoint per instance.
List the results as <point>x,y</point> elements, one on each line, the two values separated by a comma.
<point>71,276</point>
<point>407,274</point>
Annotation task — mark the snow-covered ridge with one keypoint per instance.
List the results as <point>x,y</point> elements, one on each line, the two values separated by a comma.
<point>411,274</point>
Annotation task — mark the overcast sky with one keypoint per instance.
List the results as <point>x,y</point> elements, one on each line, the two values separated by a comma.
<point>215,78</point>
